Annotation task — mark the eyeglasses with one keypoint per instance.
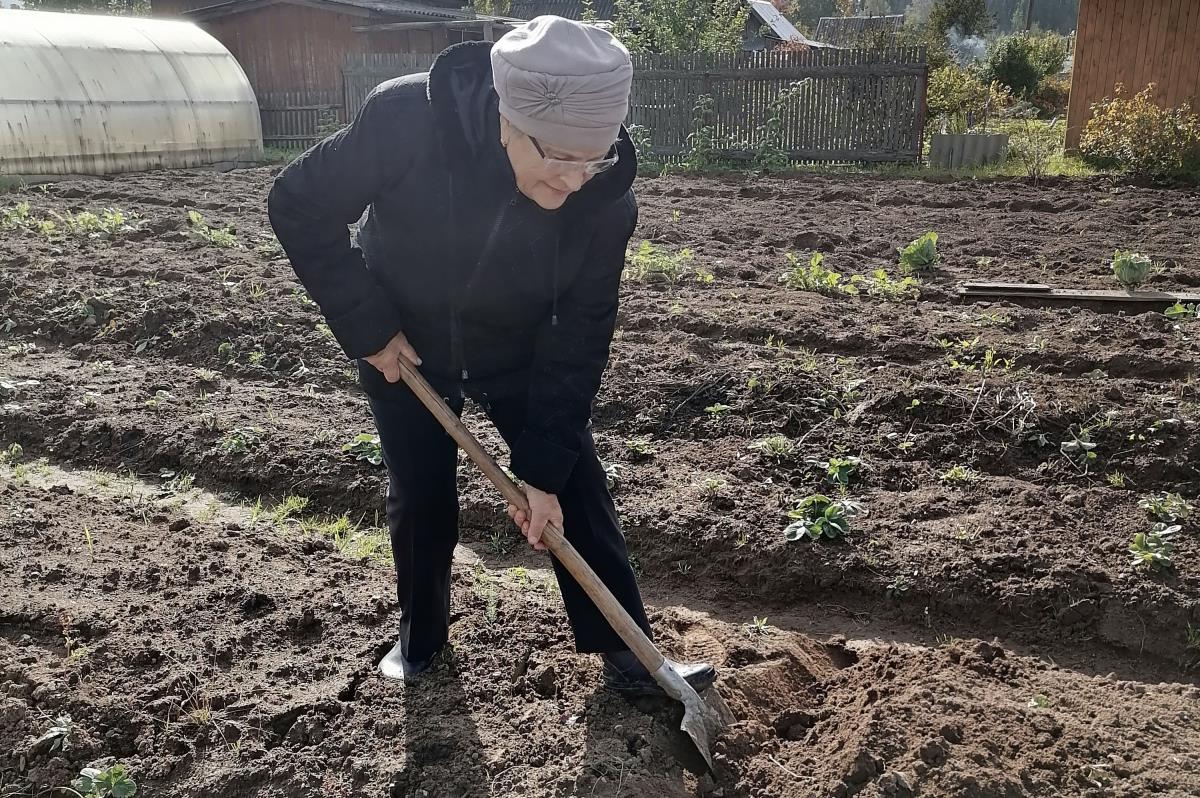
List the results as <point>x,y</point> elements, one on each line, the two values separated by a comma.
<point>562,166</point>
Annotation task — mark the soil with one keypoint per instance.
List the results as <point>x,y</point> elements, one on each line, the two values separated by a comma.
<point>983,638</point>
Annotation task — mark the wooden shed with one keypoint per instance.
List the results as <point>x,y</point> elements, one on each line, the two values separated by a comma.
<point>1134,43</point>
<point>300,55</point>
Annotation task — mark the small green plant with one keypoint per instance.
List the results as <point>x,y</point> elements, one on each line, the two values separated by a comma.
<point>1166,507</point>
<point>225,351</point>
<point>758,627</point>
<point>241,440</point>
<point>113,781</point>
<point>717,410</point>
<point>222,237</point>
<point>959,475</point>
<point>1152,550</point>
<point>255,291</point>
<point>366,447</point>
<point>965,355</point>
<point>289,507</point>
<point>704,276</point>
<point>814,277</point>
<point>838,470</point>
<point>18,216</point>
<point>1080,450</point>
<point>613,475</point>
<point>1182,312</point>
<point>270,247</point>
<point>1039,701</point>
<point>61,734</point>
<point>712,487</point>
<point>1131,268</point>
<point>159,399</point>
<point>649,264</point>
<point>818,516</point>
<point>89,542</point>
<point>881,285</point>
<point>920,255</point>
<point>775,447</point>
<point>1117,479</point>
<point>640,448</point>
<point>12,455</point>
<point>683,568</point>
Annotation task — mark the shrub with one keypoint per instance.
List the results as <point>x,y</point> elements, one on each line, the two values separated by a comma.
<point>969,17</point>
<point>1052,95</point>
<point>1136,134</point>
<point>959,96</point>
<point>1011,61</point>
<point>1048,52</point>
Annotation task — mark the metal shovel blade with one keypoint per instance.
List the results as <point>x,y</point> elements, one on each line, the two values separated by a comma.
<point>702,721</point>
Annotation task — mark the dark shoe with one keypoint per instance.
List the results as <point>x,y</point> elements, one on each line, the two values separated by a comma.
<point>623,674</point>
<point>395,666</point>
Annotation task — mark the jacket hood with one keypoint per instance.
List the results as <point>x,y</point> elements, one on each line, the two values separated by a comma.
<point>466,112</point>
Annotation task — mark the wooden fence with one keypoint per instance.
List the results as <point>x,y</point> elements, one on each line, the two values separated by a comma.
<point>293,119</point>
<point>365,71</point>
<point>857,105</point>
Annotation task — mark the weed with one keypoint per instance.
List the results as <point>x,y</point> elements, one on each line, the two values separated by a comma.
<point>640,448</point>
<point>818,516</point>
<point>1152,550</point>
<point>676,216</point>
<point>965,355</point>
<point>704,276</point>
<point>113,781</point>
<point>18,216</point>
<point>323,437</point>
<point>741,540</point>
<point>717,410</point>
<point>270,247</point>
<point>89,542</point>
<point>683,568</point>
<point>12,455</point>
<point>920,255</point>
<point>500,542</point>
<point>256,357</point>
<point>160,398</point>
<point>612,475</point>
<point>289,507</point>
<point>1039,701</point>
<point>365,447</point>
<point>959,475</point>
<point>1080,451</point>
<point>1166,507</point>
<point>485,586</point>
<point>775,447</point>
<point>222,237</point>
<point>880,284</point>
<point>758,627</point>
<point>255,291</point>
<point>1191,639</point>
<point>240,440</point>
<point>225,352</point>
<point>649,264</point>
<point>180,483</point>
<point>61,734</point>
<point>712,487</point>
<point>814,277</point>
<point>1116,478</point>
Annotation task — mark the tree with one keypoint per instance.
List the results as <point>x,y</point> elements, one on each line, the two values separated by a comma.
<point>680,26</point>
<point>118,7</point>
<point>970,17</point>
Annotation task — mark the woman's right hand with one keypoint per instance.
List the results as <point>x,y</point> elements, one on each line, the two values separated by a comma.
<point>387,360</point>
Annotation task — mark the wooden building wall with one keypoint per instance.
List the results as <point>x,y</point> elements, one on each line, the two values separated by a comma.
<point>1134,43</point>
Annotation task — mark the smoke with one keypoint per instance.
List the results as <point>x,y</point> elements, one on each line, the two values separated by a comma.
<point>967,49</point>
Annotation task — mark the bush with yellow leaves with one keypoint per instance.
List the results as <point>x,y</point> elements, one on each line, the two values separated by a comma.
<point>1137,134</point>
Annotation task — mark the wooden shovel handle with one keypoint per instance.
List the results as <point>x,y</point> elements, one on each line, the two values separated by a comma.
<point>553,537</point>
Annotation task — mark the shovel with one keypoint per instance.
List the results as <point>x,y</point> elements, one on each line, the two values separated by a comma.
<point>701,721</point>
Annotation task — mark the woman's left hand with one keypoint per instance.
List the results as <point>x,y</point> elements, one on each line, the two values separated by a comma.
<point>543,508</point>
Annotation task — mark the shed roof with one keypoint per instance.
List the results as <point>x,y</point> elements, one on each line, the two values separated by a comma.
<point>395,9</point>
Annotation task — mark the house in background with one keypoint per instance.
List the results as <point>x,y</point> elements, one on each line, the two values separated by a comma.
<point>311,62</point>
<point>1133,43</point>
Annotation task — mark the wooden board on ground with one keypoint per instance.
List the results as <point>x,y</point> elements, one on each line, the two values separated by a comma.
<point>1045,294</point>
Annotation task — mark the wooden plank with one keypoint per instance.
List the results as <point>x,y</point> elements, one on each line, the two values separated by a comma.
<point>1046,293</point>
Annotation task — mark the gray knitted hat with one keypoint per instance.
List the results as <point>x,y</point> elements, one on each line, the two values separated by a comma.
<point>563,82</point>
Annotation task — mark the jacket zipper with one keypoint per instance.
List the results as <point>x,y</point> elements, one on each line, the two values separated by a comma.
<point>455,327</point>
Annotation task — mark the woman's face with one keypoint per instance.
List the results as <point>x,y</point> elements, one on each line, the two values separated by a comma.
<point>547,184</point>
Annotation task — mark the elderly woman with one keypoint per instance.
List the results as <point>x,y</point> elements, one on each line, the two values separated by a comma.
<point>498,191</point>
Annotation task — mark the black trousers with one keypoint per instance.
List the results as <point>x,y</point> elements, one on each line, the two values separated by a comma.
<point>422,510</point>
